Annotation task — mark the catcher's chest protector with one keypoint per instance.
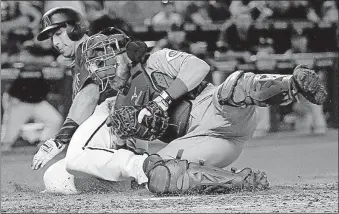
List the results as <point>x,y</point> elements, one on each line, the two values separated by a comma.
<point>143,89</point>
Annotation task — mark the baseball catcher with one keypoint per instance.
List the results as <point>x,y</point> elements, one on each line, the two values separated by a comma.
<point>165,98</point>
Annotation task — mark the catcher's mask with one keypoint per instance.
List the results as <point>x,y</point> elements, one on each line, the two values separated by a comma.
<point>100,51</point>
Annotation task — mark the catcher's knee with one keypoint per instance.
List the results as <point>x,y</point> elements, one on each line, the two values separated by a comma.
<point>226,90</point>
<point>58,180</point>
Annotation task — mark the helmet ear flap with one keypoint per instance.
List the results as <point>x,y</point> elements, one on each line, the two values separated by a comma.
<point>75,32</point>
<point>135,50</point>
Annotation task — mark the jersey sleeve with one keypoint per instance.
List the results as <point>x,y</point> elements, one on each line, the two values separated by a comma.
<point>180,65</point>
<point>80,74</point>
<point>167,61</point>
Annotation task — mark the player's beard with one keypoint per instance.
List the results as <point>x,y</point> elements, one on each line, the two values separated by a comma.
<point>121,77</point>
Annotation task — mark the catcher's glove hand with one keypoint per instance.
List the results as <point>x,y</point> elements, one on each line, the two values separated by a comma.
<point>124,122</point>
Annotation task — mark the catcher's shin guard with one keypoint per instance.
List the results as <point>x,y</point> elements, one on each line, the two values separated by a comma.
<point>179,176</point>
<point>241,89</point>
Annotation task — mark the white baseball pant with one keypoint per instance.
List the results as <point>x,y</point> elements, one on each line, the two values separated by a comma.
<point>89,154</point>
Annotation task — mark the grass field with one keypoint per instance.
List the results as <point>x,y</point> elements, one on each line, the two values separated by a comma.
<point>302,171</point>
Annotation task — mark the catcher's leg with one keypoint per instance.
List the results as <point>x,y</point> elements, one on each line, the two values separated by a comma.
<point>179,176</point>
<point>242,89</point>
<point>204,149</point>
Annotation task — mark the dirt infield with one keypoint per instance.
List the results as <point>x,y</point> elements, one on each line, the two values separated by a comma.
<point>302,171</point>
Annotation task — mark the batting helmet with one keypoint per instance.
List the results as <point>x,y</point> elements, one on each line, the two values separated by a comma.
<point>67,17</point>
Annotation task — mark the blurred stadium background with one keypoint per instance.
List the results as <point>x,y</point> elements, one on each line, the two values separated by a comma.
<point>257,36</point>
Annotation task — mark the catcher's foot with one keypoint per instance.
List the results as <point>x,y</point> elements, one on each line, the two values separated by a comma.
<point>255,180</point>
<point>250,181</point>
<point>309,85</point>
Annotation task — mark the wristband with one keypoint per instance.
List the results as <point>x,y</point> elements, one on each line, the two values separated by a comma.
<point>163,100</point>
<point>177,89</point>
<point>66,132</point>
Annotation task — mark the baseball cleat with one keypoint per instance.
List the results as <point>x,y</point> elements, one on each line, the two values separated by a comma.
<point>253,180</point>
<point>309,85</point>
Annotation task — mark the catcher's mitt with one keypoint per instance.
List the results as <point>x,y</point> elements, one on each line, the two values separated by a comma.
<point>124,122</point>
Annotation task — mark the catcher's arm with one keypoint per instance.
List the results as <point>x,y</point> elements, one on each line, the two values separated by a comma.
<point>191,71</point>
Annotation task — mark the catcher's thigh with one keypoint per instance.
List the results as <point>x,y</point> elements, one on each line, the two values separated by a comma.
<point>209,150</point>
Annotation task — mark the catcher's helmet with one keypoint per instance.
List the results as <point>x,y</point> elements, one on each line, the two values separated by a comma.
<point>99,52</point>
<point>63,17</point>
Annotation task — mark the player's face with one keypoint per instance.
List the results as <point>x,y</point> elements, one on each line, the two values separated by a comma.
<point>63,43</point>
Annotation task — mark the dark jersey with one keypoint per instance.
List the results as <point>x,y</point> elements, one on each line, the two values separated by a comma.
<point>79,73</point>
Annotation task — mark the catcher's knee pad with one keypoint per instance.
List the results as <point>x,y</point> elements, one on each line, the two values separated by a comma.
<point>242,89</point>
<point>178,176</point>
<point>227,89</point>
